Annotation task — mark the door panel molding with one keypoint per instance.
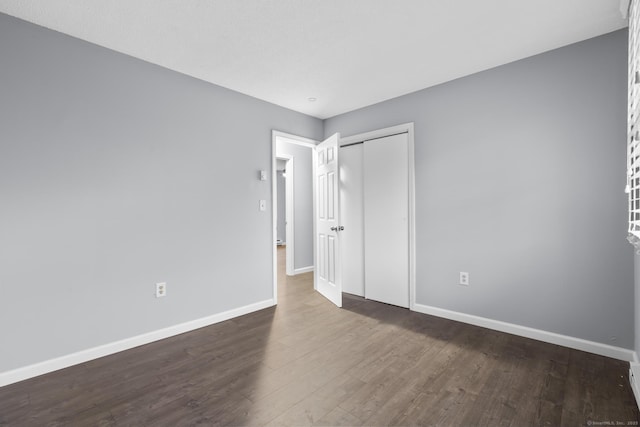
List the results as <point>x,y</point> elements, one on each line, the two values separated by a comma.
<point>328,277</point>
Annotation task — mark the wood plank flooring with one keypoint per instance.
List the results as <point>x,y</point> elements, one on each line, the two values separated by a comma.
<point>309,363</point>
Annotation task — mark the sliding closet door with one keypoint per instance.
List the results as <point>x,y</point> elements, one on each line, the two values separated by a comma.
<point>386,219</point>
<point>351,216</point>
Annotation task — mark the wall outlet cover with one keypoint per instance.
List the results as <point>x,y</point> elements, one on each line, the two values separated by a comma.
<point>161,290</point>
<point>464,278</point>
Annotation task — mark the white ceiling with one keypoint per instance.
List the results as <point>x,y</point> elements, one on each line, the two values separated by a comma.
<point>346,53</point>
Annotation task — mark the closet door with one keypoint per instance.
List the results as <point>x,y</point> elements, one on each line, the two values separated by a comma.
<point>386,219</point>
<point>351,215</point>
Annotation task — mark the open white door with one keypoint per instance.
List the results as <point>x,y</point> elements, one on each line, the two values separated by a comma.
<point>328,274</point>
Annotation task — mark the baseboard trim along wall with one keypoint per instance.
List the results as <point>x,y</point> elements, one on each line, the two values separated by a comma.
<point>302,270</point>
<point>20,374</point>
<point>536,334</point>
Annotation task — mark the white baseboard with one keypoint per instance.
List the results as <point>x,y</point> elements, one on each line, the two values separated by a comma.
<point>302,270</point>
<point>536,334</point>
<point>20,374</point>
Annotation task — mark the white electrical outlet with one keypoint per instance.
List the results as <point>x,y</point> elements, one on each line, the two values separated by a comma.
<point>161,290</point>
<point>464,278</point>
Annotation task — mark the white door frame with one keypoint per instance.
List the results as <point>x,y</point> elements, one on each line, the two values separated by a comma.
<point>305,142</point>
<point>381,133</point>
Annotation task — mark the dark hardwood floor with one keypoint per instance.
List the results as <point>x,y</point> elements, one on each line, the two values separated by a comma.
<point>309,363</point>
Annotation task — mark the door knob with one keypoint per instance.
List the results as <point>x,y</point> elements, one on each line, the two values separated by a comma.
<point>337,228</point>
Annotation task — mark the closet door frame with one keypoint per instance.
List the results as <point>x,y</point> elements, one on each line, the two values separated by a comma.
<point>381,133</point>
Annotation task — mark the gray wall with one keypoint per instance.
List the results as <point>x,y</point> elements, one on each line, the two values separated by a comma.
<point>114,175</point>
<point>520,172</point>
<point>303,202</point>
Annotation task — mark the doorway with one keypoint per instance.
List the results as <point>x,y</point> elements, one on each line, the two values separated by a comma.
<point>294,155</point>
<point>285,219</point>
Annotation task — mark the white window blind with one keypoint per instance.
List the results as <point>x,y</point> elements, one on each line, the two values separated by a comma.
<point>633,126</point>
